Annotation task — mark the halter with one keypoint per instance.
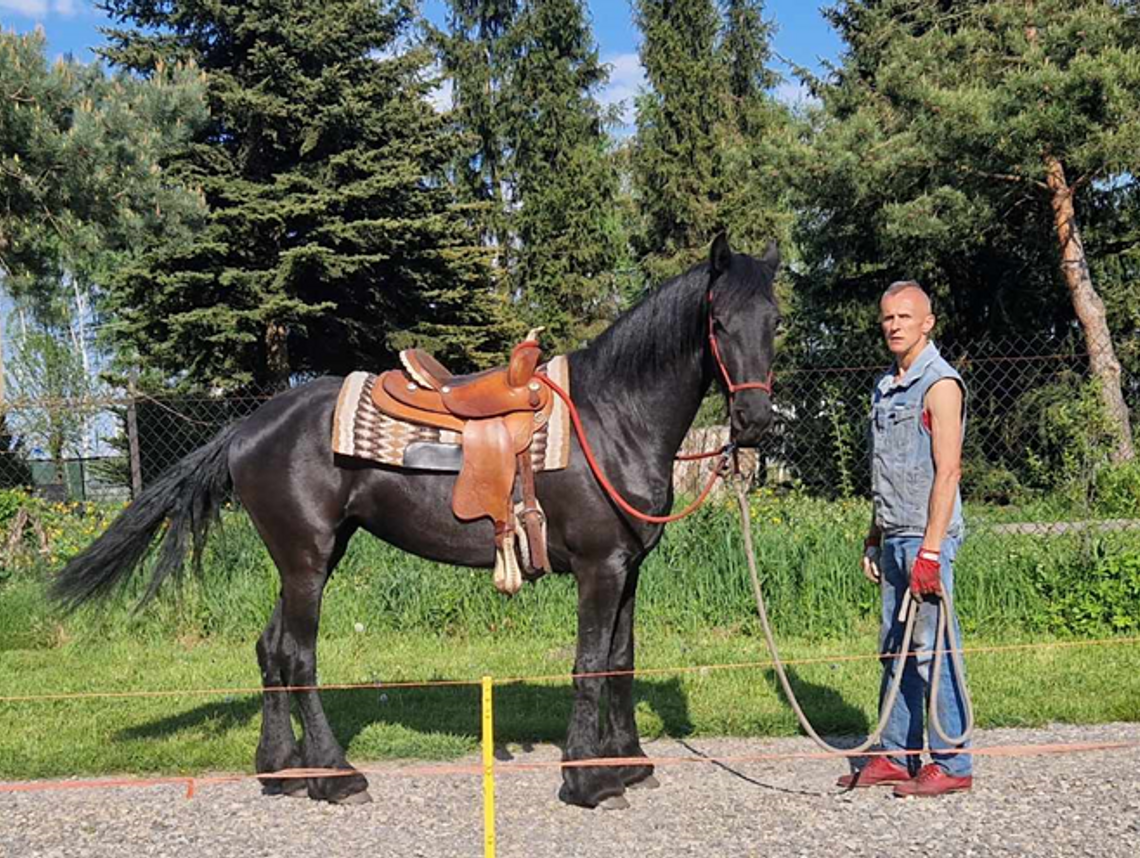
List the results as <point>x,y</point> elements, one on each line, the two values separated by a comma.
<point>766,386</point>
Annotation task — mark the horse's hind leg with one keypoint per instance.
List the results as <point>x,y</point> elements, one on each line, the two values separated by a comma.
<point>619,734</point>
<point>305,566</point>
<point>277,749</point>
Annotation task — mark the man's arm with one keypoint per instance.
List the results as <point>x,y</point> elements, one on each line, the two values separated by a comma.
<point>944,404</point>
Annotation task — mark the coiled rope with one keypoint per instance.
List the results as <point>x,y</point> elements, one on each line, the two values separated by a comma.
<point>910,607</point>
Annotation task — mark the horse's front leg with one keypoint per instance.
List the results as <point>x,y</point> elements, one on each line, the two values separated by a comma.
<point>600,587</point>
<point>620,737</point>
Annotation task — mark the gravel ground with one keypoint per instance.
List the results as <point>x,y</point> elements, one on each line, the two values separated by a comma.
<point>1080,804</point>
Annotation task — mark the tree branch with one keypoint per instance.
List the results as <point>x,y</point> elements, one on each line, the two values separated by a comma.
<point>1004,177</point>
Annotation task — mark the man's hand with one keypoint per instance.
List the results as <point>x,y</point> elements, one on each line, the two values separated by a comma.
<point>926,574</point>
<point>871,554</point>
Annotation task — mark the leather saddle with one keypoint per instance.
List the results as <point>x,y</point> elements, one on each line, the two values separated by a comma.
<point>496,413</point>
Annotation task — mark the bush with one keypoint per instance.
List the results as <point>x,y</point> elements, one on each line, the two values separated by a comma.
<point>1088,599</point>
<point>1118,490</point>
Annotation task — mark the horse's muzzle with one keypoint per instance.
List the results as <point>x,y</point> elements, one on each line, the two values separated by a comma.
<point>750,417</point>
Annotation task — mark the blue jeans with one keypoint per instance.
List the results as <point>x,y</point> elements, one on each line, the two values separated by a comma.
<point>904,728</point>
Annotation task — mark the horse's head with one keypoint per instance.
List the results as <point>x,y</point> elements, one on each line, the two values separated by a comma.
<point>743,318</point>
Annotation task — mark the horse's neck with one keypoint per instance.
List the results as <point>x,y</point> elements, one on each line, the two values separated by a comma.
<point>652,415</point>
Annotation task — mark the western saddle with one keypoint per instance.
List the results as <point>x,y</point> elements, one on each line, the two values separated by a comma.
<point>496,413</point>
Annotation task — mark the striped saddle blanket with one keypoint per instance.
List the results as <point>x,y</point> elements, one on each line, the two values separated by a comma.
<point>361,430</point>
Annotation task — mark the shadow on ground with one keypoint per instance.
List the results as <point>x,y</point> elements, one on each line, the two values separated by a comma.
<point>524,712</point>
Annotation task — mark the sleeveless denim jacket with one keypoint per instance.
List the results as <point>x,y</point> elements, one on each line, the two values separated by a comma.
<point>902,458</point>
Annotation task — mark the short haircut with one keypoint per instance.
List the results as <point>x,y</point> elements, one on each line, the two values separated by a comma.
<point>904,285</point>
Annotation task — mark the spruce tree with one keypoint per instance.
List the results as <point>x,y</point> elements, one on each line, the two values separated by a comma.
<point>477,53</point>
<point>680,120</point>
<point>758,133</point>
<point>333,238</point>
<point>707,155</point>
<point>564,181</point>
<point>963,144</point>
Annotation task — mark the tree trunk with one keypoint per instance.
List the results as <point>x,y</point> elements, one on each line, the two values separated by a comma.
<point>1088,306</point>
<point>277,355</point>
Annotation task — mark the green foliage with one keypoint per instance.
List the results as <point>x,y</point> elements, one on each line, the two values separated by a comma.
<point>695,581</point>
<point>1118,490</point>
<point>332,238</point>
<point>1065,437</point>
<point>564,180</point>
<point>44,367</point>
<point>10,502</point>
<point>927,161</point>
<point>80,165</point>
<point>538,163</point>
<point>1097,595</point>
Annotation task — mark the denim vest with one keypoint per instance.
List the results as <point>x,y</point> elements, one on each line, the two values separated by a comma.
<point>902,457</point>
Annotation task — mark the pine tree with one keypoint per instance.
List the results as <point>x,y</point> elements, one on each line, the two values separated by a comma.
<point>333,238</point>
<point>81,187</point>
<point>962,144</point>
<point>564,181</point>
<point>81,154</point>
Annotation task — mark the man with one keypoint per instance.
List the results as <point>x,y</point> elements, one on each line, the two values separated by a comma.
<point>917,425</point>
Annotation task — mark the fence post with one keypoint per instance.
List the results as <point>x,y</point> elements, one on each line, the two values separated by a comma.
<point>133,439</point>
<point>488,770</point>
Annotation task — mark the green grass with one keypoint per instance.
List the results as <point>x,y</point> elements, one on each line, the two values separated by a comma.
<point>807,550</point>
<point>186,733</point>
<point>422,622</point>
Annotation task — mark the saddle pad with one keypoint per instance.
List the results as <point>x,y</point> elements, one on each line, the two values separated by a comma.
<point>362,431</point>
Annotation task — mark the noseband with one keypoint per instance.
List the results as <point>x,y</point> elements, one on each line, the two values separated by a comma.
<point>766,386</point>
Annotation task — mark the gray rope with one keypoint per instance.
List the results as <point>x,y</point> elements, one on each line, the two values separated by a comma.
<point>910,607</point>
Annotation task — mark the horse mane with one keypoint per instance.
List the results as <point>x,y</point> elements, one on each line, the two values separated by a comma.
<point>670,323</point>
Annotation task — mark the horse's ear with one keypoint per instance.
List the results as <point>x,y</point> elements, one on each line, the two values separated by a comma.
<point>771,255</point>
<point>720,255</point>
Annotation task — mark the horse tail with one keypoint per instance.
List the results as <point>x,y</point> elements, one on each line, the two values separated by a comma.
<point>187,499</point>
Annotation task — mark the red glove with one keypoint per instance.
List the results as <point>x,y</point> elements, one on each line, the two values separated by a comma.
<point>926,574</point>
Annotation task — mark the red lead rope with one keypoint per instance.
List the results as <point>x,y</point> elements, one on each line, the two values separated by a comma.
<point>725,454</point>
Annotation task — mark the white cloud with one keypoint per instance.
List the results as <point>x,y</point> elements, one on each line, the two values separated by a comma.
<point>30,8</point>
<point>42,8</point>
<point>626,79</point>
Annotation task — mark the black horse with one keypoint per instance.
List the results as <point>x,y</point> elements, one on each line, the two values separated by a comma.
<point>638,387</point>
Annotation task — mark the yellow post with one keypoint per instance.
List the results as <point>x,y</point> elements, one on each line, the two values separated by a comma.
<point>488,771</point>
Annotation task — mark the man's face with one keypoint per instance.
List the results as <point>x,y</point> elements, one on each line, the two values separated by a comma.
<point>906,319</point>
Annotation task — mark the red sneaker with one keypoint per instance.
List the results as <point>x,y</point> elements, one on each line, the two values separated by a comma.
<point>933,780</point>
<point>881,770</point>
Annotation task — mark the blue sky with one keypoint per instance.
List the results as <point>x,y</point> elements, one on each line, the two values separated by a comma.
<point>803,36</point>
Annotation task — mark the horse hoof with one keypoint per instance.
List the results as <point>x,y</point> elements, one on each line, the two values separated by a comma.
<point>614,802</point>
<point>361,797</point>
<point>650,782</point>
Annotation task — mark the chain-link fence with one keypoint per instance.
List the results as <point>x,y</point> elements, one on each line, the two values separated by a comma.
<point>1038,430</point>
<point>1041,433</point>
